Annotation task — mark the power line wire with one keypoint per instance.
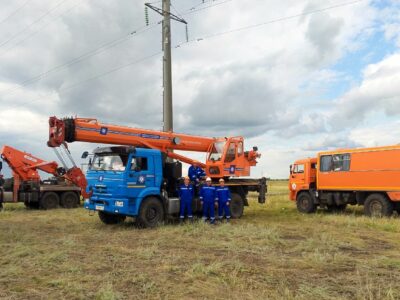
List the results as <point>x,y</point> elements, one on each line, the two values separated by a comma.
<point>268,22</point>
<point>194,10</point>
<point>33,23</point>
<point>14,12</point>
<point>104,47</point>
<point>43,26</point>
<point>85,81</point>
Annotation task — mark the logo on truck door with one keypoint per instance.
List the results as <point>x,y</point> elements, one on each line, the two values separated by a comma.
<point>141,179</point>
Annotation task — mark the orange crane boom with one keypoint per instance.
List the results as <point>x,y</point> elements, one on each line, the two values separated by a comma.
<point>225,156</point>
<point>25,167</point>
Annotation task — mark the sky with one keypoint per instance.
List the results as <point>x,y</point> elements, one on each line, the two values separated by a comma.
<point>294,77</point>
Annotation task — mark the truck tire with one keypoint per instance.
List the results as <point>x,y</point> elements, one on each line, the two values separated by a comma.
<point>305,203</point>
<point>69,200</point>
<point>377,205</point>
<point>49,200</point>
<point>151,213</point>
<point>237,206</point>
<point>334,208</point>
<point>111,219</point>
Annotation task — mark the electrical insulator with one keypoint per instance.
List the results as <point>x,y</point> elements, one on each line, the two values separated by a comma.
<point>146,15</point>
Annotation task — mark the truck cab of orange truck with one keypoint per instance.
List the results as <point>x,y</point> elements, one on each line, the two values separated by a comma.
<point>335,179</point>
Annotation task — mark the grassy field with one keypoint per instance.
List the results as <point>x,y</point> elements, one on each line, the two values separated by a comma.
<point>273,252</point>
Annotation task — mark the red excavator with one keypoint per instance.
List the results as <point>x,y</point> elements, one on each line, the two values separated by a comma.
<point>64,189</point>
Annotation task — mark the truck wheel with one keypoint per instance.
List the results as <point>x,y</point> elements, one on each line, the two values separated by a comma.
<point>69,200</point>
<point>151,213</point>
<point>337,208</point>
<point>305,203</point>
<point>111,219</point>
<point>377,205</point>
<point>49,200</point>
<point>237,206</point>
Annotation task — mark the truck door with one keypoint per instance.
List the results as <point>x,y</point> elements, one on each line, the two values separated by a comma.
<point>140,175</point>
<point>230,158</point>
<point>298,176</point>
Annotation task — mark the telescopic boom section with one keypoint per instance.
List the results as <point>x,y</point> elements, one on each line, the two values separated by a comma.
<point>25,167</point>
<point>225,155</point>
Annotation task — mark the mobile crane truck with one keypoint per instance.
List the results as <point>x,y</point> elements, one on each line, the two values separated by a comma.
<point>139,178</point>
<point>64,189</point>
<point>334,179</point>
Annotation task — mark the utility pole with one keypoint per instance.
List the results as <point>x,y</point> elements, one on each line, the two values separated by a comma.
<point>168,113</point>
<point>167,60</point>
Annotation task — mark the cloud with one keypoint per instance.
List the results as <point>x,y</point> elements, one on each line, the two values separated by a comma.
<point>379,91</point>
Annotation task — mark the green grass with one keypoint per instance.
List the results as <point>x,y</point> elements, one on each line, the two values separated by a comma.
<point>273,252</point>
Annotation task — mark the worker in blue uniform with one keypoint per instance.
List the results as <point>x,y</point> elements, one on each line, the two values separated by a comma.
<point>223,195</point>
<point>186,193</point>
<point>207,198</point>
<point>196,173</point>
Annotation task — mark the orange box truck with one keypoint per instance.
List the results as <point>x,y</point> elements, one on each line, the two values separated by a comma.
<point>369,177</point>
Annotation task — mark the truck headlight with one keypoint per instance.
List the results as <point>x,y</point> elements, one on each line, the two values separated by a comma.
<point>119,203</point>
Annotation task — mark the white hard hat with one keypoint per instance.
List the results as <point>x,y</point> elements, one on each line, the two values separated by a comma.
<point>208,179</point>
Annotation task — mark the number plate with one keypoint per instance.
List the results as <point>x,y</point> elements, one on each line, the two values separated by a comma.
<point>99,207</point>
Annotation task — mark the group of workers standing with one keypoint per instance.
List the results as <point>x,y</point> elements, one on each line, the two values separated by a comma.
<point>210,197</point>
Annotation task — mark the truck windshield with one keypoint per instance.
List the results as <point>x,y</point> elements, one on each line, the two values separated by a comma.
<point>216,151</point>
<point>109,162</point>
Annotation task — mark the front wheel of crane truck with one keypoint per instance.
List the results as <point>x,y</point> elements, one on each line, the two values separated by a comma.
<point>151,213</point>
<point>111,219</point>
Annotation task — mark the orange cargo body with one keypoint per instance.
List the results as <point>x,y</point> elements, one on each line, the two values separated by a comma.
<point>371,169</point>
<point>334,179</point>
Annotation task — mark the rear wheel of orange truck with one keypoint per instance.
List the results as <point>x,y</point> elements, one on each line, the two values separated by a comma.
<point>377,205</point>
<point>305,203</point>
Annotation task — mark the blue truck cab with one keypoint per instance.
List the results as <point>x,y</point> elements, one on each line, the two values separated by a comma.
<point>141,183</point>
<point>132,182</point>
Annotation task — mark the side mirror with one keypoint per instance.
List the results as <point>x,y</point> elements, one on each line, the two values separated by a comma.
<point>255,148</point>
<point>85,154</point>
<point>291,170</point>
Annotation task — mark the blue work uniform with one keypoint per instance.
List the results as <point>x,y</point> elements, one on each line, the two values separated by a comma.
<point>196,173</point>
<point>186,193</point>
<point>224,198</point>
<point>207,195</point>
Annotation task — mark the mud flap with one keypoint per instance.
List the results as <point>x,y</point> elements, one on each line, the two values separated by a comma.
<point>262,196</point>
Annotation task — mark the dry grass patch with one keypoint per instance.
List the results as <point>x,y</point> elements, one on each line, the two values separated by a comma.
<point>273,252</point>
